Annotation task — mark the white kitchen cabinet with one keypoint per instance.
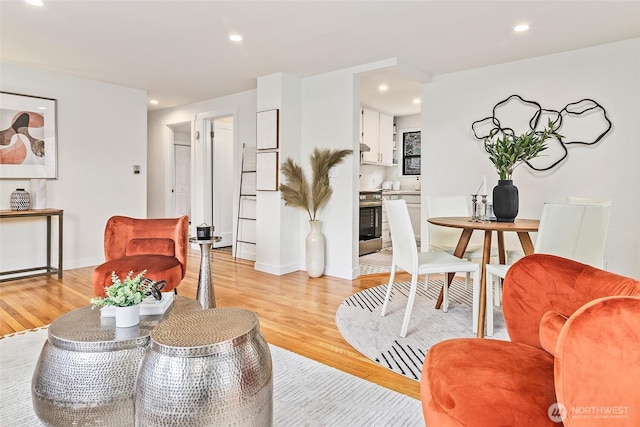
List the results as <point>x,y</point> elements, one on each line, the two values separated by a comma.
<point>377,134</point>
<point>386,234</point>
<point>412,198</point>
<point>413,206</point>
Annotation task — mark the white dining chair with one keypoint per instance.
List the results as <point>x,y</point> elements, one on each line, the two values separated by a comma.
<point>576,232</point>
<point>515,254</point>
<point>406,257</point>
<point>446,238</point>
<point>575,200</point>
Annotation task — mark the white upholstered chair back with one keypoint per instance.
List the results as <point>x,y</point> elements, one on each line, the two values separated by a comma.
<point>445,238</point>
<point>405,249</point>
<point>573,231</point>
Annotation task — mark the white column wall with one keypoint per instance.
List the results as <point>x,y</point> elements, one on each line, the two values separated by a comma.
<point>101,135</point>
<point>330,119</point>
<point>278,240</point>
<point>454,161</point>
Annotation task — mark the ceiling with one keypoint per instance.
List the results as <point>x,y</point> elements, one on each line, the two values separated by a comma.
<point>179,52</point>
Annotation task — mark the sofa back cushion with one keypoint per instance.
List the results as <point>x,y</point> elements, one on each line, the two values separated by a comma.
<point>150,246</point>
<point>540,283</point>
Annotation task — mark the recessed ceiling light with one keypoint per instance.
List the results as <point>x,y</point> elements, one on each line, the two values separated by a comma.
<point>235,37</point>
<point>417,100</point>
<point>383,88</point>
<point>153,101</point>
<point>520,28</point>
<point>35,2</point>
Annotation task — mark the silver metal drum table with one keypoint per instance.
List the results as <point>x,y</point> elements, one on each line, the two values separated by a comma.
<point>87,368</point>
<point>210,368</point>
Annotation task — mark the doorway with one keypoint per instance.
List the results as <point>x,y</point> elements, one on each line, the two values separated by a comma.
<point>180,176</point>
<point>220,138</point>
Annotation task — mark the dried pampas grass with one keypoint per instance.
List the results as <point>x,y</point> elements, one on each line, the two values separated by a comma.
<point>296,191</point>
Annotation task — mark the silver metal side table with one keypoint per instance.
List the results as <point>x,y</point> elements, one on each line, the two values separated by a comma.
<point>209,368</point>
<point>205,294</point>
<point>87,368</point>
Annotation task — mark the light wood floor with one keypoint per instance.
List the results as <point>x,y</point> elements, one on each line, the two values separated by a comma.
<point>296,312</point>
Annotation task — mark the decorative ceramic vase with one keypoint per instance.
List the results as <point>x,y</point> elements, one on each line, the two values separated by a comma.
<point>127,316</point>
<point>20,200</point>
<point>315,250</point>
<point>505,201</point>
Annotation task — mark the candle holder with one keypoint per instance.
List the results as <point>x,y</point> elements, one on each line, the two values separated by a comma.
<point>474,208</point>
<point>483,208</point>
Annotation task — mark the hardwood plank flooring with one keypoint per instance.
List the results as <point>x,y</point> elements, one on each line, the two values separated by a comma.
<point>296,312</point>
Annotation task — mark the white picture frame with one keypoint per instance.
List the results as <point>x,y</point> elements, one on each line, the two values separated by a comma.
<point>267,129</point>
<point>267,171</point>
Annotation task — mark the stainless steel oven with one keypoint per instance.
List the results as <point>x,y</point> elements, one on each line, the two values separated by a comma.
<point>370,221</point>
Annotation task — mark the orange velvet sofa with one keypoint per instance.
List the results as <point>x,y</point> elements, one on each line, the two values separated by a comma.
<point>573,358</point>
<point>158,245</point>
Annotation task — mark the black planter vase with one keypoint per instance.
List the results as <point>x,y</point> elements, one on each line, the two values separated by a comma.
<point>505,201</point>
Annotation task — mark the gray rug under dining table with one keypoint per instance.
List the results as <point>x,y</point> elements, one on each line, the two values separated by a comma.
<point>378,338</point>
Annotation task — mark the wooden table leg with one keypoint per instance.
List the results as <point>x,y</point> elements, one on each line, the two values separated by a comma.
<point>486,257</point>
<point>501,252</point>
<point>461,247</point>
<point>525,241</point>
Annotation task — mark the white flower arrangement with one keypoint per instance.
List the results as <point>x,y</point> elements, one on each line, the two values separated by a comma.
<point>125,293</point>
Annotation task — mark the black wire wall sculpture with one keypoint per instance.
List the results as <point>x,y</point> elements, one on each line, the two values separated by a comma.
<point>523,115</point>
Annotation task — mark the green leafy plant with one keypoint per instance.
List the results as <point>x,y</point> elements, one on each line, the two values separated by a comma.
<point>296,190</point>
<point>131,291</point>
<point>511,150</point>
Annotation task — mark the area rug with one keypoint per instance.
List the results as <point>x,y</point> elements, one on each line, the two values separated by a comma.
<point>378,338</point>
<point>376,262</point>
<point>306,393</point>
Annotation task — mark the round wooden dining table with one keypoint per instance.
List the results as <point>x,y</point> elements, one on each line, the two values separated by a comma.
<point>520,226</point>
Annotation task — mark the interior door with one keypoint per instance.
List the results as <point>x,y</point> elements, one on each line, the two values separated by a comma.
<point>181,185</point>
<point>222,161</point>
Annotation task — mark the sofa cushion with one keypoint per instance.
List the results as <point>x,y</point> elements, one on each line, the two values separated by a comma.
<point>484,382</point>
<point>160,267</point>
<point>147,246</point>
<point>550,326</point>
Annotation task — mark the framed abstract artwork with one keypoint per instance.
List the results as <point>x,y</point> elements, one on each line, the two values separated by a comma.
<point>28,137</point>
<point>267,130</point>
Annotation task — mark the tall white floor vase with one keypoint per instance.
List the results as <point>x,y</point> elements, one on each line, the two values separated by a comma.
<point>315,250</point>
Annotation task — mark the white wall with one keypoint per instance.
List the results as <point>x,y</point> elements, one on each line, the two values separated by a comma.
<point>241,105</point>
<point>101,135</point>
<point>277,226</point>
<point>330,119</point>
<point>453,161</point>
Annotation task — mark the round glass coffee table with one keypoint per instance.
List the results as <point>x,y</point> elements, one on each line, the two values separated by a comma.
<point>87,368</point>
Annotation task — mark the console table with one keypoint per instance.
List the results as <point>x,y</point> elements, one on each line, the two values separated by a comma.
<point>49,269</point>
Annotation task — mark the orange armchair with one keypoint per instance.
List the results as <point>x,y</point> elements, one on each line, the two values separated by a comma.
<point>157,245</point>
<point>573,358</point>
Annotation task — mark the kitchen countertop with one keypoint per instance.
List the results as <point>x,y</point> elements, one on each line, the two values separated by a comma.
<point>400,192</point>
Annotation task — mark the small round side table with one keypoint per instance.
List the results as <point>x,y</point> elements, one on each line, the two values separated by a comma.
<point>209,368</point>
<point>87,368</point>
<point>205,294</point>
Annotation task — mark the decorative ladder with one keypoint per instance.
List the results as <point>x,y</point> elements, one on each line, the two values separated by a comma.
<point>246,198</point>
